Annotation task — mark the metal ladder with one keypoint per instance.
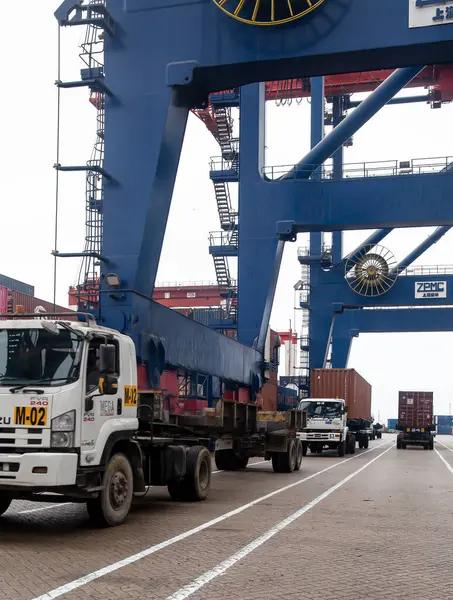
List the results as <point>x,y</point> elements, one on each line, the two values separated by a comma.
<point>222,196</point>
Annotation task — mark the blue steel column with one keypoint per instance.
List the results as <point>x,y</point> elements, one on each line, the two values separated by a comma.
<point>316,135</point>
<point>342,340</point>
<point>353,122</point>
<point>257,268</point>
<point>338,155</point>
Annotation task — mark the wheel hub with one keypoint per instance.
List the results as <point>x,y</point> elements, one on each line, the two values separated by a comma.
<point>118,490</point>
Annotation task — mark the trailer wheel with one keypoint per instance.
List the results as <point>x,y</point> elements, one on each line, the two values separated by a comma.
<point>304,448</point>
<point>228,460</point>
<point>285,462</point>
<point>398,443</point>
<point>403,446</point>
<point>379,435</point>
<point>425,446</point>
<point>299,455</point>
<point>113,504</point>
<point>351,444</point>
<point>431,442</point>
<point>5,502</point>
<point>196,483</point>
<point>366,441</point>
<point>342,448</point>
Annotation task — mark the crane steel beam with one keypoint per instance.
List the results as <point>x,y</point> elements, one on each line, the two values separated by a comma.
<point>353,122</point>
<point>404,320</point>
<point>432,239</point>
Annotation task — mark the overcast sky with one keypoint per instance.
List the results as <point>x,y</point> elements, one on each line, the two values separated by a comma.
<point>27,188</point>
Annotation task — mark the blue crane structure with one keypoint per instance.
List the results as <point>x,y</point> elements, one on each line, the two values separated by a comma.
<point>161,60</point>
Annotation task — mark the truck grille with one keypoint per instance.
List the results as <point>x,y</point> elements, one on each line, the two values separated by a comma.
<point>20,437</point>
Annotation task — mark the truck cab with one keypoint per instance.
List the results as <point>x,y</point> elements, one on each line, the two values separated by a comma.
<point>326,426</point>
<point>61,408</point>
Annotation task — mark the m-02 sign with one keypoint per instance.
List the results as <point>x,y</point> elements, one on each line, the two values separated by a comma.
<point>430,289</point>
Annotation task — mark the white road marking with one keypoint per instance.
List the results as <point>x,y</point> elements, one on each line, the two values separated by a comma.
<point>35,510</point>
<point>449,467</point>
<point>204,579</point>
<point>77,583</point>
<point>444,445</point>
<point>57,505</point>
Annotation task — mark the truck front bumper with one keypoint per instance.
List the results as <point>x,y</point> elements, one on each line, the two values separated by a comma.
<point>38,470</point>
<point>318,436</point>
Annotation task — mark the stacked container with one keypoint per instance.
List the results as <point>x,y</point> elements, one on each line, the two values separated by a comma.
<point>444,424</point>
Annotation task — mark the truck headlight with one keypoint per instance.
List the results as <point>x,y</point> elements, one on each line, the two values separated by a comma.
<point>64,422</point>
<point>62,439</point>
<point>63,430</point>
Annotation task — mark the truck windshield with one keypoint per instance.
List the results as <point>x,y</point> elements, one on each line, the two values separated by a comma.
<point>325,410</point>
<point>35,355</point>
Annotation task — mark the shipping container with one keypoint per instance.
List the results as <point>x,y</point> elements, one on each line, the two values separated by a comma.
<point>444,420</point>
<point>391,423</point>
<point>445,429</point>
<point>17,286</point>
<point>29,303</point>
<point>287,398</point>
<point>415,409</point>
<point>345,384</point>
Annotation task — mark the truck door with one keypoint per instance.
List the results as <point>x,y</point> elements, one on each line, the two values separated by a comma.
<point>105,408</point>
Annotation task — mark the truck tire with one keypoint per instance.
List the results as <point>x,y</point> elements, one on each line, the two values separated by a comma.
<point>426,446</point>
<point>398,443</point>
<point>5,502</point>
<point>113,504</point>
<point>342,448</point>
<point>197,480</point>
<point>431,442</point>
<point>228,460</point>
<point>403,446</point>
<point>285,462</point>
<point>299,455</point>
<point>366,441</point>
<point>379,435</point>
<point>304,448</point>
<point>351,444</point>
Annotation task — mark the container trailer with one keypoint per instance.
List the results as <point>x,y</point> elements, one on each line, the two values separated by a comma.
<point>338,412</point>
<point>79,423</point>
<point>415,420</point>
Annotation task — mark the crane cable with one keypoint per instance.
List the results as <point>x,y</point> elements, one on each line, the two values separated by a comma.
<point>57,164</point>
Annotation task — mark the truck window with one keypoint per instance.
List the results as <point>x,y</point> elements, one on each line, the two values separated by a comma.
<point>92,370</point>
<point>28,355</point>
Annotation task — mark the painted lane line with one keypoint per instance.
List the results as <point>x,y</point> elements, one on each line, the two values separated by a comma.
<point>222,567</point>
<point>449,467</point>
<point>35,510</point>
<point>444,445</point>
<point>77,583</point>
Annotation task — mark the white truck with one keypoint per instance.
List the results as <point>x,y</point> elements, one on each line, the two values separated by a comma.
<point>75,427</point>
<point>328,427</point>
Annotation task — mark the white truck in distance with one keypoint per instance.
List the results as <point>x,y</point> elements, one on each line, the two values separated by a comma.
<point>74,426</point>
<point>328,427</point>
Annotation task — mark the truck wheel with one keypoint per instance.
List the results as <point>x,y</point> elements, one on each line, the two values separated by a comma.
<point>351,444</point>
<point>425,446</point>
<point>304,448</point>
<point>198,473</point>
<point>113,504</point>
<point>403,446</point>
<point>285,462</point>
<point>196,483</point>
<point>398,443</point>
<point>228,460</point>
<point>5,502</point>
<point>379,435</point>
<point>366,442</point>
<point>299,455</point>
<point>431,442</point>
<point>342,448</point>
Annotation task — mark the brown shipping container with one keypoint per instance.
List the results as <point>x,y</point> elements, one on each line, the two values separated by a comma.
<point>30,303</point>
<point>346,384</point>
<point>415,409</point>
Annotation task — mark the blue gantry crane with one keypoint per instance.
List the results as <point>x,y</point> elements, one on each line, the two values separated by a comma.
<point>162,60</point>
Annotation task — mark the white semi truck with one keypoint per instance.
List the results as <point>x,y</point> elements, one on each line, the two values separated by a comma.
<point>328,427</point>
<point>75,427</point>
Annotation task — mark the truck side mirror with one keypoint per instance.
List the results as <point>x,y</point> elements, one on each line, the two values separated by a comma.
<point>107,358</point>
<point>108,385</point>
